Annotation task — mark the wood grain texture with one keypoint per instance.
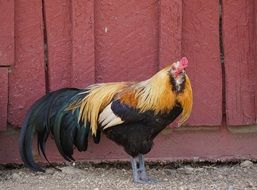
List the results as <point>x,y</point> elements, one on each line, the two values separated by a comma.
<point>190,145</point>
<point>59,29</point>
<point>255,12</point>
<point>27,75</point>
<point>3,97</point>
<point>7,32</point>
<point>170,34</point>
<point>126,39</point>
<point>83,59</point>
<point>239,35</point>
<point>201,46</point>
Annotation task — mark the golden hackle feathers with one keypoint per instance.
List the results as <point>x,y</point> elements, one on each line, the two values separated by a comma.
<point>155,93</point>
<point>98,97</point>
<point>128,97</point>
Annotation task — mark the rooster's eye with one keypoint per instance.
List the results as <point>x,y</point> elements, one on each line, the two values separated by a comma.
<point>172,68</point>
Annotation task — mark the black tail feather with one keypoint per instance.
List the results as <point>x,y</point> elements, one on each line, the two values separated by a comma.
<point>64,133</point>
<point>48,116</point>
<point>97,137</point>
<point>82,137</point>
<point>27,133</point>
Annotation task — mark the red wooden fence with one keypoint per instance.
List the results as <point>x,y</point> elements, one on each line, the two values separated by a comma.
<point>86,42</point>
<point>240,38</point>
<point>49,44</point>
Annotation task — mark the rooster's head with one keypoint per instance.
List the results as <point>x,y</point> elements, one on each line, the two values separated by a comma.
<point>178,67</point>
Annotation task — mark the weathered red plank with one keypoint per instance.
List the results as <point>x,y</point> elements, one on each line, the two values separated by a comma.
<point>126,34</point>
<point>199,145</point>
<point>7,32</point>
<point>240,64</point>
<point>170,34</point>
<point>201,46</point>
<point>26,78</point>
<point>3,97</point>
<point>255,10</point>
<point>58,26</point>
<point>83,60</point>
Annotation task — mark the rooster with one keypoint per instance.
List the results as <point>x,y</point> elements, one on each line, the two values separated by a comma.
<point>129,113</point>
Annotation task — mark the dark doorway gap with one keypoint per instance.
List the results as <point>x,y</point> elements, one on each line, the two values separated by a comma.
<point>45,48</point>
<point>222,62</point>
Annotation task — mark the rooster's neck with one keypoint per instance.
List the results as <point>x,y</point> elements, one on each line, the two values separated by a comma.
<point>178,83</point>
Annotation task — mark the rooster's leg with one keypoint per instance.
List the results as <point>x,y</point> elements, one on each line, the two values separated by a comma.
<point>135,170</point>
<point>142,171</point>
<point>138,169</point>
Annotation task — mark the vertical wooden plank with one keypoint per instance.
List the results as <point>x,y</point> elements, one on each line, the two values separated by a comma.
<point>201,46</point>
<point>83,59</point>
<point>255,12</point>
<point>126,34</point>
<point>27,76</point>
<point>170,34</point>
<point>3,97</point>
<point>7,32</point>
<point>240,64</point>
<point>58,27</point>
